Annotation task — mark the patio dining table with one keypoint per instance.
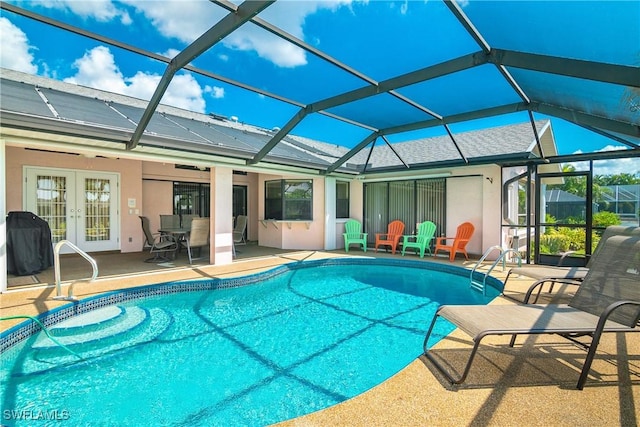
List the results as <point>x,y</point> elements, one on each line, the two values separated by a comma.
<point>180,234</point>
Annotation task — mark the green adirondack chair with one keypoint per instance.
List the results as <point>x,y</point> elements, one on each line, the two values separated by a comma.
<point>421,242</point>
<point>353,234</point>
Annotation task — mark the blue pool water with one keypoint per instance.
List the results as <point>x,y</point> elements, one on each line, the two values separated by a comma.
<point>257,354</point>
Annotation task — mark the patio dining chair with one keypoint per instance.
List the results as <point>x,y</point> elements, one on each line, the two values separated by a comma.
<point>169,221</point>
<point>197,237</point>
<point>159,245</point>
<point>185,220</point>
<point>239,232</point>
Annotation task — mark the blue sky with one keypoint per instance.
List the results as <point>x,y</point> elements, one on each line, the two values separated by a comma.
<point>262,60</point>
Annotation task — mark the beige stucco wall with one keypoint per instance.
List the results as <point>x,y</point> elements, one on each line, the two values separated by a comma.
<point>473,197</point>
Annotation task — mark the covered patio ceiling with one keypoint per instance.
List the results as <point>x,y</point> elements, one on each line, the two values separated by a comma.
<point>464,62</point>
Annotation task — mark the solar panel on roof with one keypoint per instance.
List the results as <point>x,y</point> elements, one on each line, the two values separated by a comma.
<point>85,109</point>
<point>158,124</point>
<point>212,134</point>
<point>22,98</point>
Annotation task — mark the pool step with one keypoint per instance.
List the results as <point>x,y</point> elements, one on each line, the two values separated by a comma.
<point>88,322</point>
<point>118,333</point>
<point>90,327</point>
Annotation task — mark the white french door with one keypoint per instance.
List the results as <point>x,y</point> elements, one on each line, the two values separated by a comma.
<point>79,206</point>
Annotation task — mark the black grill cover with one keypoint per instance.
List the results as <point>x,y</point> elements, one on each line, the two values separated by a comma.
<point>29,245</point>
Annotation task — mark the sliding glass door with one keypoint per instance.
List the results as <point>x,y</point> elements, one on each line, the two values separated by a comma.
<point>411,202</point>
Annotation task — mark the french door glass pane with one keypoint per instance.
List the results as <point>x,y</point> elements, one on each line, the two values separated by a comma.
<point>97,205</point>
<point>51,204</point>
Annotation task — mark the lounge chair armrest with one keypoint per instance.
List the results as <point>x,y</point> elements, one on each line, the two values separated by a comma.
<point>613,307</point>
<point>564,256</point>
<point>538,285</point>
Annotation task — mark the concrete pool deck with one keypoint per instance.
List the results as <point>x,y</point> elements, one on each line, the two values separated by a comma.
<point>531,384</point>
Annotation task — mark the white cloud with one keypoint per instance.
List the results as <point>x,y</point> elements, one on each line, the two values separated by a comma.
<point>630,165</point>
<point>170,53</point>
<point>169,18</point>
<point>100,10</point>
<point>217,92</point>
<point>612,166</point>
<point>16,51</point>
<point>97,69</point>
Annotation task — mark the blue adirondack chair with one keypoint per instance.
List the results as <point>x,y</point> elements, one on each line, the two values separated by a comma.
<point>353,235</point>
<point>421,241</point>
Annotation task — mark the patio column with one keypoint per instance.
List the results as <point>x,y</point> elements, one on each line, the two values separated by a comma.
<point>330,213</point>
<point>3,217</point>
<point>221,246</point>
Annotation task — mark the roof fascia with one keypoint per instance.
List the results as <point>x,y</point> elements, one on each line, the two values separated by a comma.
<point>54,126</point>
<point>547,140</point>
<point>519,158</point>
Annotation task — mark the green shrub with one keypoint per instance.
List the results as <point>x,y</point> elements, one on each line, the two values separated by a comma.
<point>562,239</point>
<point>605,219</point>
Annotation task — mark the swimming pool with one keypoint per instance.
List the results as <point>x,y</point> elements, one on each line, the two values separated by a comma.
<point>247,351</point>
